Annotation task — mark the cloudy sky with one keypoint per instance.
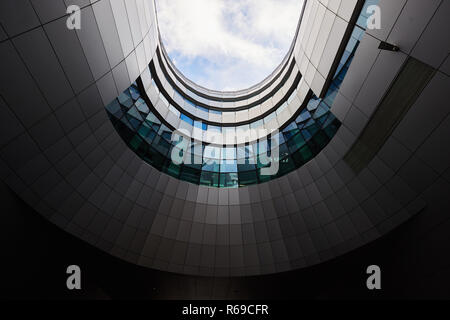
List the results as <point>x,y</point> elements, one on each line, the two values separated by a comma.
<point>227,44</point>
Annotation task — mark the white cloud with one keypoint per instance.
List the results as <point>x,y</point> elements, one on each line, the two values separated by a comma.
<point>242,41</point>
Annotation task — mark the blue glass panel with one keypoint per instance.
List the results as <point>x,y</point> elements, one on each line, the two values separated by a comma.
<point>186,119</point>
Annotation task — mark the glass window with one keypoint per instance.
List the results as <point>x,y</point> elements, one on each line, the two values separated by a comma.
<point>189,174</point>
<point>229,153</point>
<point>142,106</point>
<point>114,108</point>
<point>227,165</point>
<point>214,129</point>
<point>229,180</point>
<point>202,109</point>
<point>125,99</point>
<point>186,119</point>
<point>215,112</point>
<point>313,103</point>
<point>247,178</point>
<point>209,178</point>
<point>173,170</point>
<point>134,92</point>
<point>201,125</point>
<point>212,165</point>
<point>177,96</point>
<point>189,102</point>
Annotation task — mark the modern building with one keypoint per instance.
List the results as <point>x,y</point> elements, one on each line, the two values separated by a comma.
<point>355,121</point>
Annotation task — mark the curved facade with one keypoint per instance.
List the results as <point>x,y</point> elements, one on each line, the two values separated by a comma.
<point>87,118</point>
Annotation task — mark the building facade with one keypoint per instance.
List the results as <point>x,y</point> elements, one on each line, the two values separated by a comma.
<point>359,135</point>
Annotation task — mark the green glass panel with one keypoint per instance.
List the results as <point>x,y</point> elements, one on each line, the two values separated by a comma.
<point>229,180</point>
<point>173,170</point>
<point>298,159</point>
<point>161,145</point>
<point>306,153</point>
<point>246,167</point>
<point>133,112</point>
<point>135,142</point>
<point>144,131</point>
<point>296,142</point>
<point>313,129</point>
<point>135,123</point>
<point>286,165</point>
<point>125,100</point>
<point>156,159</point>
<point>263,178</point>
<point>114,108</point>
<point>320,139</point>
<point>247,178</point>
<point>283,150</point>
<point>190,174</point>
<point>210,179</point>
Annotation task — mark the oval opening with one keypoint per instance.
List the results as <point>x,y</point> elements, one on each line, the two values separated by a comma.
<point>225,45</point>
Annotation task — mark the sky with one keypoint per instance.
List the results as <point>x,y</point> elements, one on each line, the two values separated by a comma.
<point>227,45</point>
